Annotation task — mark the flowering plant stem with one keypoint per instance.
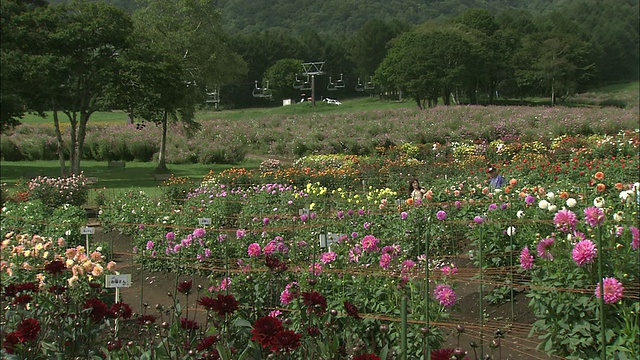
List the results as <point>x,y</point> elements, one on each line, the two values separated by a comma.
<point>601,279</point>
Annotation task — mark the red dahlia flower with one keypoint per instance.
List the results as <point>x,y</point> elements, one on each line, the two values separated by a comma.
<point>264,329</point>
<point>27,330</point>
<point>55,267</point>
<point>185,287</point>
<point>188,324</point>
<point>351,309</point>
<point>285,340</point>
<point>121,309</point>
<point>207,342</point>
<point>98,309</point>
<point>222,304</point>
<point>315,301</point>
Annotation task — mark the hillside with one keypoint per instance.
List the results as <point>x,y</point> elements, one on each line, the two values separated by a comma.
<point>340,16</point>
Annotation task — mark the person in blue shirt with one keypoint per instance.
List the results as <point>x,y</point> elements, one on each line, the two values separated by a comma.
<point>496,181</point>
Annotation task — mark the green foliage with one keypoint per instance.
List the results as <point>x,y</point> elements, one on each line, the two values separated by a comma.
<point>176,189</point>
<point>27,218</point>
<point>9,150</point>
<point>66,222</point>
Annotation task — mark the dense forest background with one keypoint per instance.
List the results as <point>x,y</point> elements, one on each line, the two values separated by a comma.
<point>463,50</point>
<point>339,16</point>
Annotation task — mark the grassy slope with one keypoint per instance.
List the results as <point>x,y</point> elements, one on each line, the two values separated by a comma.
<point>138,175</point>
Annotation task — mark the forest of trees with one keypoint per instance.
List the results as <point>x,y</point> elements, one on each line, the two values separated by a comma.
<point>449,51</point>
<point>518,48</point>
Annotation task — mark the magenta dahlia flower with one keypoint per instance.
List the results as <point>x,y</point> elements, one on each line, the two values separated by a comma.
<point>612,290</point>
<point>584,252</point>
<point>445,295</point>
<point>543,248</point>
<point>526,259</point>
<point>594,216</point>
<point>635,241</point>
<point>565,221</point>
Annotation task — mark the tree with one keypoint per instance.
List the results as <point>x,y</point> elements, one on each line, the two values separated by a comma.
<point>369,45</point>
<point>281,77</point>
<point>188,34</point>
<point>15,73</point>
<point>426,63</point>
<point>492,49</point>
<point>554,63</point>
<point>409,67</point>
<point>69,53</point>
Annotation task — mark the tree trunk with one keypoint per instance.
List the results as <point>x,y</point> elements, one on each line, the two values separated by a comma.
<point>446,97</point>
<point>56,125</point>
<point>82,133</point>
<point>492,90</point>
<point>553,93</point>
<point>417,99</point>
<point>162,162</point>
<point>73,121</point>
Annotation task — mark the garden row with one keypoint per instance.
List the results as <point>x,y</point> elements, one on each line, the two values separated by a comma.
<point>327,258</point>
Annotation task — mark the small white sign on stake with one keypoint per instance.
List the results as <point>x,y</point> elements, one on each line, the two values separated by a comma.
<point>304,211</point>
<point>118,281</point>
<point>86,230</point>
<point>329,239</point>
<point>204,221</point>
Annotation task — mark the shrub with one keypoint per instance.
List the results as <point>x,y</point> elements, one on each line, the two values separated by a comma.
<point>9,151</point>
<point>55,192</point>
<point>613,103</point>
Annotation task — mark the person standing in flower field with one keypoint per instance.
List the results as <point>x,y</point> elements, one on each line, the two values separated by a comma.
<point>415,190</point>
<point>496,181</point>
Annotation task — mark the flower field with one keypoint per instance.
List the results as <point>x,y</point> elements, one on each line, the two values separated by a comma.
<point>327,258</point>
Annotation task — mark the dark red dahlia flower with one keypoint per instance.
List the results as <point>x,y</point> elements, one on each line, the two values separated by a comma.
<point>27,330</point>
<point>11,290</point>
<point>146,319</point>
<point>121,309</point>
<point>207,342</point>
<point>22,299</point>
<point>264,329</point>
<point>285,340</point>
<point>441,354</point>
<point>275,264</point>
<point>225,305</point>
<point>28,286</point>
<point>185,286</point>
<point>315,302</point>
<point>207,302</point>
<point>55,267</point>
<point>98,309</point>
<point>367,357</point>
<point>10,342</point>
<point>188,324</point>
<point>351,309</point>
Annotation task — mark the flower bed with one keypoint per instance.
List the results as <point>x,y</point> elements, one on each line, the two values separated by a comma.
<point>327,259</point>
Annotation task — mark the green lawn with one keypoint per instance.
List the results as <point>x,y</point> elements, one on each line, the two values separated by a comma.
<point>354,104</point>
<point>135,175</point>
